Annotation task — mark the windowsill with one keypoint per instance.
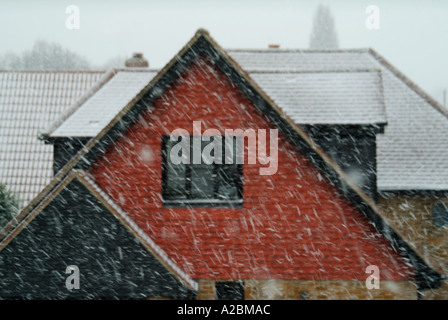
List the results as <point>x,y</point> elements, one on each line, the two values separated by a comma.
<point>204,203</point>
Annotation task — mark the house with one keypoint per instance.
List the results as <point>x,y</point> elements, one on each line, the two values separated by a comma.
<point>138,225</point>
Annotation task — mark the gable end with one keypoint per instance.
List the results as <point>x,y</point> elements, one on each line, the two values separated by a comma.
<point>112,262</point>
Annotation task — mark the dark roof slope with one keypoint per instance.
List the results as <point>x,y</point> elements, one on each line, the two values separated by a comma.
<point>101,242</point>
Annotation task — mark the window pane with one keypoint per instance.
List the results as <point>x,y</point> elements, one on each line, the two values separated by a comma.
<point>202,184</point>
<point>175,182</point>
<point>175,186</point>
<point>226,184</point>
<point>202,176</point>
<point>227,174</point>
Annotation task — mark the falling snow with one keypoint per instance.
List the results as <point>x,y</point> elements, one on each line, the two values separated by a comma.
<point>344,196</point>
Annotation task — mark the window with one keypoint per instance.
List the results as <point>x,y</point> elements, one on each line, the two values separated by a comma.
<point>229,290</point>
<point>200,184</point>
<point>440,214</point>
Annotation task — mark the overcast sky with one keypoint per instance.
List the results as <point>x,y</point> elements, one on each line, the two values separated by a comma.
<point>413,35</point>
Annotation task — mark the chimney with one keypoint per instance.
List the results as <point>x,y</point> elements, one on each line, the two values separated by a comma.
<point>137,61</point>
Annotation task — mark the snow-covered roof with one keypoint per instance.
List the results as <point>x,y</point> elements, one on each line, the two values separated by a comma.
<point>413,151</point>
<point>29,102</point>
<point>411,154</point>
<point>323,87</point>
<point>98,110</point>
<point>336,97</point>
<point>279,60</point>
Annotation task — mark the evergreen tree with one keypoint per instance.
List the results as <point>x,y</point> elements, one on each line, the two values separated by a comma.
<point>323,35</point>
<point>8,205</point>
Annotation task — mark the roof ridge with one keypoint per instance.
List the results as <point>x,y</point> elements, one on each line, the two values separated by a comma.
<point>298,50</point>
<point>356,70</point>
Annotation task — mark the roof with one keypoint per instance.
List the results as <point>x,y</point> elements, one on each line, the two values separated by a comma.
<point>100,108</point>
<point>345,87</point>
<point>202,43</point>
<point>114,209</point>
<point>336,97</point>
<point>29,102</point>
<point>412,152</point>
<point>279,60</point>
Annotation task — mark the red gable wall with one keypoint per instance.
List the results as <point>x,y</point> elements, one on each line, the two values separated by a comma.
<point>293,225</point>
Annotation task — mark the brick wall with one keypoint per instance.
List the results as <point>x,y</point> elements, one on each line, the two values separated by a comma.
<point>328,290</point>
<point>316,290</point>
<point>293,225</point>
<point>412,216</point>
<point>206,290</point>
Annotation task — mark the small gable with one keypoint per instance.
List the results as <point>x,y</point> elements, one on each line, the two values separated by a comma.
<point>75,228</point>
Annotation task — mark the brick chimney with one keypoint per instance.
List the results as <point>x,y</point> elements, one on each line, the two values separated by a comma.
<point>137,61</point>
